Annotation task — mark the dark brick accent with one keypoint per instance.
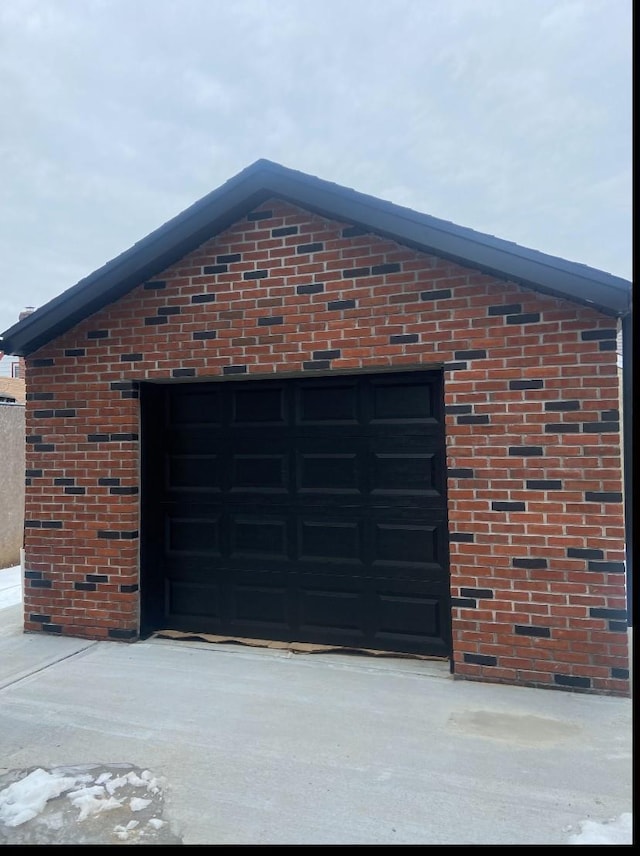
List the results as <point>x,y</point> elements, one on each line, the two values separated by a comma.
<point>602,496</point>
<point>562,428</point>
<point>118,534</point>
<point>341,304</point>
<point>284,230</point>
<point>601,427</point>
<point>97,438</point>
<point>43,414</point>
<point>603,612</point>
<point>105,482</point>
<point>64,481</point>
<point>595,335</point>
<point>52,524</point>
<point>464,603</point>
<point>458,408</point>
<point>33,473</point>
<point>438,294</point>
<point>39,396</point>
<point>352,273</point>
<point>454,367</point>
<point>326,355</point>
<point>526,384</point>
<point>32,524</point>
<point>33,575</point>
<point>260,215</point>
<point>460,473</point>
<point>312,288</point>
<point>505,309</point>
<point>215,269</point>
<point>78,491</point>
<point>607,567</point>
<point>132,393</point>
<point>169,310</point>
<point>607,346</point>
<point>122,384</point>
<point>562,405</point>
<point>119,633</point>
<point>580,553</point>
<point>33,438</point>
<point>483,419</point>
<point>532,630</point>
<point>130,358</point>
<point>205,334</point>
<point>620,674</point>
<point>155,320</point>
<point>75,352</point>
<point>481,659</point>
<point>52,628</point>
<point>123,491</point>
<point>255,274</point>
<point>27,482</point>
<point>477,354</point>
<point>270,320</point>
<point>572,681</point>
<point>97,578</point>
<point>65,413</point>
<point>183,373</point>
<point>478,593</point>
<point>618,627</point>
<point>41,363</point>
<point>85,586</point>
<point>403,339</point>
<point>462,537</point>
<point>544,484</point>
<point>531,564</point>
<point>391,267</point>
<point>354,231</point>
<point>128,589</point>
<point>231,370</point>
<point>526,451</point>
<point>228,258</point>
<point>39,617</point>
<point>41,584</point>
<point>44,447</point>
<point>527,318</point>
<point>123,437</point>
<point>155,285</point>
<point>301,249</point>
<point>610,415</point>
<point>312,365</point>
<point>203,298</point>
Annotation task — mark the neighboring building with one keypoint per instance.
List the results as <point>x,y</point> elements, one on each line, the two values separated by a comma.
<point>298,412</point>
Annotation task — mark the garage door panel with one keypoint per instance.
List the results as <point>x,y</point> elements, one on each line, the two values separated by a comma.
<point>323,404</point>
<point>335,541</point>
<point>263,407</point>
<point>186,598</point>
<point>255,535</point>
<point>396,401</point>
<point>199,473</point>
<point>192,535</point>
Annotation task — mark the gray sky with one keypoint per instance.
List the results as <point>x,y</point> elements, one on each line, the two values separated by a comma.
<point>512,117</point>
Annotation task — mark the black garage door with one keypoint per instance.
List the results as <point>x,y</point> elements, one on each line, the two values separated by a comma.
<point>306,510</point>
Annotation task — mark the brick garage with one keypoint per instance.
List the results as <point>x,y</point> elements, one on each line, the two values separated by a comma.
<point>279,275</point>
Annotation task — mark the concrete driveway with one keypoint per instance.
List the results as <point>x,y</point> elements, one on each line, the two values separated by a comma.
<point>225,744</point>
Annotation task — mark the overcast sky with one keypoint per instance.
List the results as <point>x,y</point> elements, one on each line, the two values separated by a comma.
<point>512,117</point>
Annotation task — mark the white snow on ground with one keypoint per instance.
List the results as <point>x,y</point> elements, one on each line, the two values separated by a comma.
<point>10,586</point>
<point>616,831</point>
<point>36,805</point>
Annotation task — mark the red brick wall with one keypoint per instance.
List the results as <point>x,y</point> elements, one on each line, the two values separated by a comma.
<point>533,442</point>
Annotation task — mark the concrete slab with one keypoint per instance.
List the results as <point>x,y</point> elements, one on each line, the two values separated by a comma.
<point>269,747</point>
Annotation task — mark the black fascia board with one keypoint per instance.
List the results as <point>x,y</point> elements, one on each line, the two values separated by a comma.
<point>265,179</point>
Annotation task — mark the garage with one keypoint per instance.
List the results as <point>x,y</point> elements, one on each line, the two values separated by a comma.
<point>298,509</point>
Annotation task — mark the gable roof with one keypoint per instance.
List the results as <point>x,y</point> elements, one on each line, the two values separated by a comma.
<point>264,179</point>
